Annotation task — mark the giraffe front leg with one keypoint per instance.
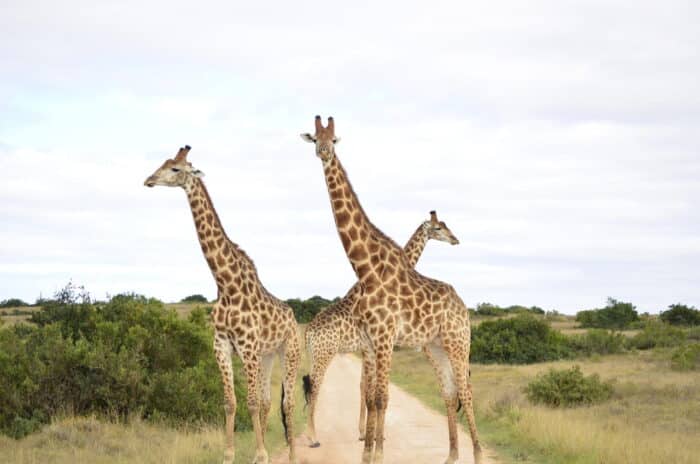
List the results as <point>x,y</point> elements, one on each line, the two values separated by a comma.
<point>365,381</point>
<point>224,352</point>
<point>369,362</point>
<point>251,364</point>
<point>383,355</point>
<point>265,400</point>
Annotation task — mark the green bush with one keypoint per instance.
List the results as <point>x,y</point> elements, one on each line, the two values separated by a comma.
<point>567,387</point>
<point>129,356</point>
<point>657,334</point>
<point>522,339</point>
<point>12,302</point>
<point>194,299</point>
<point>305,310</point>
<point>678,314</point>
<point>615,315</point>
<point>686,357</point>
<point>597,341</point>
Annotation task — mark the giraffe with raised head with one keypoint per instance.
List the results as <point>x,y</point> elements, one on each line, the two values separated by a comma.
<point>397,305</point>
<point>248,320</point>
<point>333,331</point>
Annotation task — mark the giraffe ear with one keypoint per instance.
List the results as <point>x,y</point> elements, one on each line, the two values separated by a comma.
<point>336,140</point>
<point>197,173</point>
<point>308,137</point>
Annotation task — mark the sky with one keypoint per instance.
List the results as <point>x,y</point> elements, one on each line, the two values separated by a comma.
<point>559,140</point>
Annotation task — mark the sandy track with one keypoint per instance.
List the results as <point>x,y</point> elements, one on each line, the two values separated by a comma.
<point>414,433</point>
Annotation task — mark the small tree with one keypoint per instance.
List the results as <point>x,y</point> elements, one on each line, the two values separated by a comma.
<point>488,309</point>
<point>568,387</point>
<point>197,298</point>
<point>615,315</point>
<point>679,314</point>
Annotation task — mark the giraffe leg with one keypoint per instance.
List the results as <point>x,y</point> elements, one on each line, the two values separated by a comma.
<point>290,357</point>
<point>458,354</point>
<point>251,364</point>
<point>223,352</point>
<point>383,355</point>
<point>265,400</point>
<point>369,366</point>
<point>441,364</point>
<point>322,357</point>
<point>365,382</point>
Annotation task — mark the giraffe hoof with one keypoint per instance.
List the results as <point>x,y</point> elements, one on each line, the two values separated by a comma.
<point>315,445</point>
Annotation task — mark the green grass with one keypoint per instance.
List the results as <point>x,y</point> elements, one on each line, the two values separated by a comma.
<point>653,417</point>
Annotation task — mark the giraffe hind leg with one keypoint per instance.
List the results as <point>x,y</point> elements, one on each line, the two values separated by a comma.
<point>290,357</point>
<point>459,359</point>
<point>443,369</point>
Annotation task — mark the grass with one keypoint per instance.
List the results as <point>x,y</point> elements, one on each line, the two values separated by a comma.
<point>654,415</point>
<point>97,440</point>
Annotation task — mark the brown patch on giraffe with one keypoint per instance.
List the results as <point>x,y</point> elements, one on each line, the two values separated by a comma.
<point>342,218</point>
<point>352,234</point>
<point>357,253</point>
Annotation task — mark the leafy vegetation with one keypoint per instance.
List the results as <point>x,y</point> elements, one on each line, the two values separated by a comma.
<point>686,357</point>
<point>678,314</point>
<point>522,339</point>
<point>615,315</point>
<point>656,334</point>
<point>305,310</point>
<point>568,387</point>
<point>127,357</point>
<point>488,309</point>
<point>197,298</point>
<point>12,303</point>
<point>597,341</point>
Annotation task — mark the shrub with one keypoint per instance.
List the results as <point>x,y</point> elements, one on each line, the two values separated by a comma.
<point>568,387</point>
<point>128,356</point>
<point>657,334</point>
<point>194,299</point>
<point>615,315</point>
<point>597,341</point>
<point>12,302</point>
<point>488,309</point>
<point>305,310</point>
<point>686,357</point>
<point>678,314</point>
<point>518,340</point>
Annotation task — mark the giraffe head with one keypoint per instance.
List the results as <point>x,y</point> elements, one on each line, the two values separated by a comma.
<point>174,172</point>
<point>438,230</point>
<point>324,138</point>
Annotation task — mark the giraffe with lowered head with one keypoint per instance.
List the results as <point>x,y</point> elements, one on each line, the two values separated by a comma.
<point>248,320</point>
<point>333,331</point>
<point>397,306</point>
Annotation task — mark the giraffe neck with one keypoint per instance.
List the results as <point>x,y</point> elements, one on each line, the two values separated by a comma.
<point>219,251</point>
<point>359,236</point>
<point>416,244</point>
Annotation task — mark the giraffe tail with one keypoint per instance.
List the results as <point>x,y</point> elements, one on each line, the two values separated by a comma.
<point>284,417</point>
<point>308,388</point>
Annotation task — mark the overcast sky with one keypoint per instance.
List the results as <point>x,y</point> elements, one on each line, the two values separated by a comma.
<point>559,140</point>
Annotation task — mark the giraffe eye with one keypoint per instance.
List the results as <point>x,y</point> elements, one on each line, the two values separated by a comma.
<point>175,169</point>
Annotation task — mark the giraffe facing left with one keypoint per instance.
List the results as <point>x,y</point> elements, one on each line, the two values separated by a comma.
<point>248,320</point>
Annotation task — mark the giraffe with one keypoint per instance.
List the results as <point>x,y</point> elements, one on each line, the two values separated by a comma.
<point>332,331</point>
<point>248,320</point>
<point>397,306</point>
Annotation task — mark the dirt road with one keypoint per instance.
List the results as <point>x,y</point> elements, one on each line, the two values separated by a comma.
<point>414,433</point>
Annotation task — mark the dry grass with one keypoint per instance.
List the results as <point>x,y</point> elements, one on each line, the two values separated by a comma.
<point>653,418</point>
